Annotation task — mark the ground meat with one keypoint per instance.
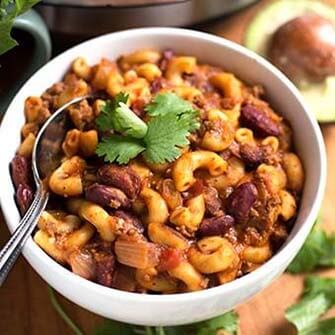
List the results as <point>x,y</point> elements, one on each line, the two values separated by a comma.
<point>81,115</point>
<point>49,97</point>
<point>213,202</point>
<point>278,236</point>
<point>208,100</point>
<point>132,222</point>
<point>251,236</point>
<point>199,81</point>
<point>252,155</point>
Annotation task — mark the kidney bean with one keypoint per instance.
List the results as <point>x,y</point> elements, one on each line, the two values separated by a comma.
<point>156,85</point>
<point>258,121</point>
<point>24,197</point>
<point>216,226</point>
<point>241,200</point>
<point>106,196</point>
<point>166,57</point>
<point>121,177</point>
<point>21,171</point>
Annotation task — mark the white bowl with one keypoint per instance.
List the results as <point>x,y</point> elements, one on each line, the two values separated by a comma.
<point>187,307</point>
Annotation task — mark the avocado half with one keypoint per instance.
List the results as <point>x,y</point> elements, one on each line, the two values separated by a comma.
<point>320,97</point>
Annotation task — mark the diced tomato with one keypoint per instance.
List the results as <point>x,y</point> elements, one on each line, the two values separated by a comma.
<point>170,258</point>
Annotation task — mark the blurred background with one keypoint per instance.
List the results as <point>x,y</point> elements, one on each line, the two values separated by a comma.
<point>25,306</point>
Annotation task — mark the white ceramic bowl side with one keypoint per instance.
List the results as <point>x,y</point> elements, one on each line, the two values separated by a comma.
<point>188,307</point>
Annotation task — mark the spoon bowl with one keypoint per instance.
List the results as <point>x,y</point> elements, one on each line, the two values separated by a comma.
<point>46,157</point>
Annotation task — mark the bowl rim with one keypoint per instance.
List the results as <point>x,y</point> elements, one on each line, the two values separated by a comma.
<point>32,252</point>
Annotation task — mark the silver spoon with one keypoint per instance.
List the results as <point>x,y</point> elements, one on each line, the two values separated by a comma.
<point>45,159</point>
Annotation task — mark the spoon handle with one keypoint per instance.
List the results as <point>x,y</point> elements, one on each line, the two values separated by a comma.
<point>12,249</point>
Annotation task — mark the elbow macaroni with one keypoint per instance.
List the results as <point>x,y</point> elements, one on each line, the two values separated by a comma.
<point>191,215</point>
<point>171,227</point>
<point>184,167</point>
<point>157,209</point>
<point>67,179</point>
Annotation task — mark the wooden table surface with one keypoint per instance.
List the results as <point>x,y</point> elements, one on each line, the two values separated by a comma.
<point>25,307</point>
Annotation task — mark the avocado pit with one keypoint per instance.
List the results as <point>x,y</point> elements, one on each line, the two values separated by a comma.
<point>304,48</point>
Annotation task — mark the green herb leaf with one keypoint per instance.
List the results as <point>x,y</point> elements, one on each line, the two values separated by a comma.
<point>126,121</point>
<point>227,322</point>
<point>318,297</point>
<point>172,120</point>
<point>166,135</point>
<point>171,103</point>
<point>309,256</point>
<point>305,313</point>
<point>6,41</point>
<point>318,250</point>
<point>324,327</point>
<point>9,10</point>
<point>315,285</point>
<point>166,103</point>
<point>120,149</point>
<point>116,115</point>
<point>105,121</point>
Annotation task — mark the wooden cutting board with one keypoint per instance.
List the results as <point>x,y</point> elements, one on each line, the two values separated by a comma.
<point>25,307</point>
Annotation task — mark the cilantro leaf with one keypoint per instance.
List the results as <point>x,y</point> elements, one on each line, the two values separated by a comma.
<point>6,41</point>
<point>9,10</point>
<point>318,297</point>
<point>126,121</point>
<point>309,256</point>
<point>306,312</point>
<point>104,121</point>
<point>171,103</point>
<point>165,103</point>
<point>172,120</point>
<point>318,250</point>
<point>166,135</point>
<point>227,322</point>
<point>120,149</point>
<point>315,285</point>
<point>324,327</point>
<point>116,115</point>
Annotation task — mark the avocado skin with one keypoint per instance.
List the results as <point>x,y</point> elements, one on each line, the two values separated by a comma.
<point>319,96</point>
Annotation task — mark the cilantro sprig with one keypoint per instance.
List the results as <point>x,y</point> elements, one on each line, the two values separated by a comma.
<point>318,251</point>
<point>318,297</point>
<point>9,10</point>
<point>116,115</point>
<point>119,149</point>
<point>160,140</point>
